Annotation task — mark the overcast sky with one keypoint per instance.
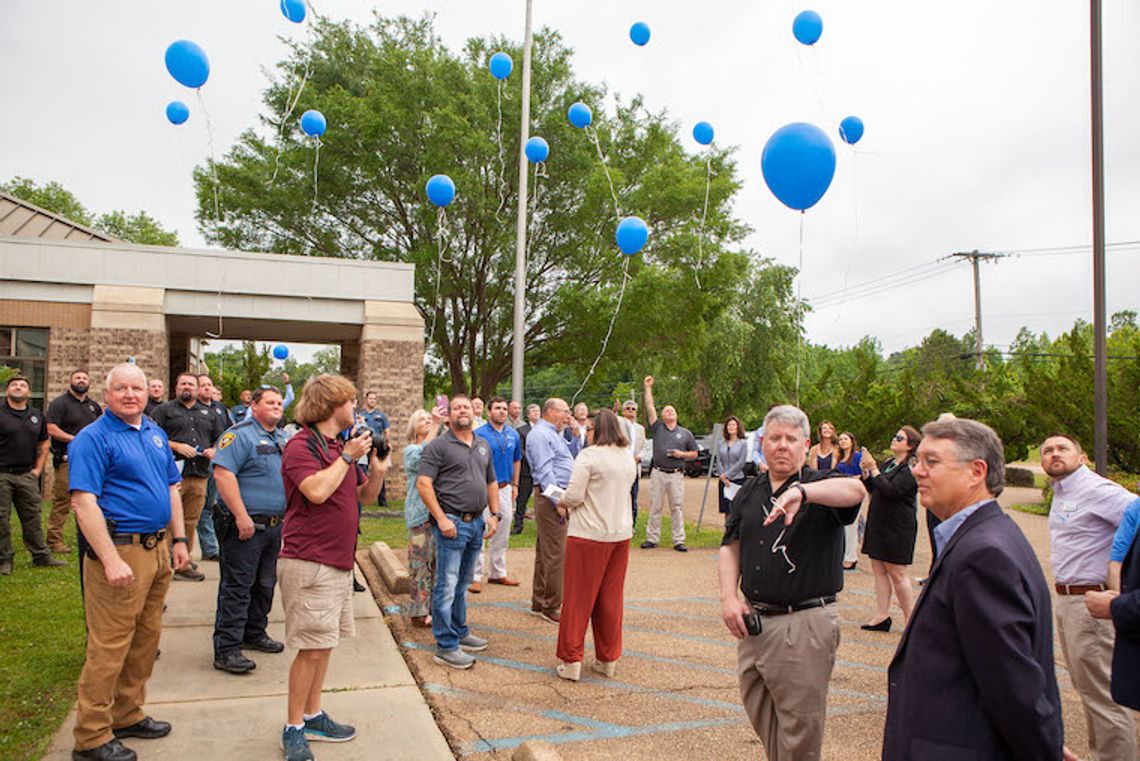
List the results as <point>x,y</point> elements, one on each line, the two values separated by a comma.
<point>977,127</point>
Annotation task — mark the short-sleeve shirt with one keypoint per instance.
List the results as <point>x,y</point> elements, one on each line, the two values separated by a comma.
<point>253,455</point>
<point>324,533</point>
<point>786,565</point>
<point>198,426</point>
<point>506,450</point>
<point>72,415</point>
<point>129,470</point>
<point>665,439</point>
<point>377,421</point>
<point>21,432</point>
<point>1125,533</point>
<point>459,473</point>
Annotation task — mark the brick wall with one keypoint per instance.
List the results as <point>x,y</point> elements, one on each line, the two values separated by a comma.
<point>395,371</point>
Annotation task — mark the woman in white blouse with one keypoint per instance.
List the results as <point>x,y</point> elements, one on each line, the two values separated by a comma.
<point>597,547</point>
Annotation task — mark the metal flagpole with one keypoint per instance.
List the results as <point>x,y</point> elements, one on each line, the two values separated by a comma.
<point>519,346</point>
<point>1100,344</point>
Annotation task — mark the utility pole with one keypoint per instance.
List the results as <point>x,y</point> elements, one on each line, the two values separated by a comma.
<point>979,346</point>
<point>520,244</point>
<point>1100,341</point>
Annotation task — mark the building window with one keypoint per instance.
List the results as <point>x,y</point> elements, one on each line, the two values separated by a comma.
<point>25,351</point>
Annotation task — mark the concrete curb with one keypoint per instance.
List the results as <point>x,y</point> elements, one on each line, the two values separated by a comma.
<point>392,571</point>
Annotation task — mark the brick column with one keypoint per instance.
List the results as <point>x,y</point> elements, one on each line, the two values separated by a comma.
<point>390,361</point>
<point>127,322</point>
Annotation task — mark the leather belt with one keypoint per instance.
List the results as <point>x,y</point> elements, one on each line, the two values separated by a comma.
<point>765,609</point>
<point>504,483</point>
<point>668,470</point>
<point>465,517</point>
<point>15,471</point>
<point>270,521</point>
<point>148,541</point>
<point>1079,589</point>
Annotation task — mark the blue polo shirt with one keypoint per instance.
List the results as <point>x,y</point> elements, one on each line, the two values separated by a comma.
<point>130,472</point>
<point>253,454</point>
<point>375,420</point>
<point>506,449</point>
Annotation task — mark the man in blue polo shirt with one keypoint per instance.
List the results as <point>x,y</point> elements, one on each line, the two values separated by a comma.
<point>247,469</point>
<point>124,487</point>
<point>377,421</point>
<point>506,455</point>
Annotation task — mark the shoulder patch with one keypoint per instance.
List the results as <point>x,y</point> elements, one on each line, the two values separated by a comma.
<point>227,439</point>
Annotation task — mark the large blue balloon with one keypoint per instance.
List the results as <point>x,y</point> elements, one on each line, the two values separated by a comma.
<point>851,130</point>
<point>294,10</point>
<point>501,65</point>
<point>639,33</point>
<point>313,123</point>
<point>537,150</point>
<point>177,112</point>
<point>187,63</point>
<point>280,351</point>
<point>808,27</point>
<point>798,164</point>
<point>703,133</point>
<point>580,115</point>
<point>440,190</point>
<point>632,234</point>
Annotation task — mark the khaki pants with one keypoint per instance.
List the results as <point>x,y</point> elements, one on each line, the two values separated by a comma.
<point>123,627</point>
<point>549,555</point>
<point>493,562</point>
<point>193,498</point>
<point>1087,644</point>
<point>60,507</point>
<point>22,491</point>
<point>664,486</point>
<point>784,673</point>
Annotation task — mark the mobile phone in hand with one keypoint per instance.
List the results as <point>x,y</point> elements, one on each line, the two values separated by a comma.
<point>752,623</point>
<point>442,401</point>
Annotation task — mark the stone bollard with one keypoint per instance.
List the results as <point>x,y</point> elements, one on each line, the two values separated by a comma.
<point>392,571</point>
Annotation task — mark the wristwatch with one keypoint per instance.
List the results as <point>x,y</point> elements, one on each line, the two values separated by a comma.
<point>803,493</point>
<point>344,456</point>
<point>180,540</point>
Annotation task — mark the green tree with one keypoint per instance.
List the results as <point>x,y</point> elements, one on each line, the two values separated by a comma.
<point>138,228</point>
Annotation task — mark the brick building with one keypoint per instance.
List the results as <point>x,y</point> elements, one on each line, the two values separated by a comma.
<point>72,297</point>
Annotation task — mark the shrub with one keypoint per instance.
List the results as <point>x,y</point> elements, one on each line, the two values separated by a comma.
<point>1015,476</point>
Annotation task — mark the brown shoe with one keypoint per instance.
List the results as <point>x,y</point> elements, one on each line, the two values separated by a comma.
<point>421,622</point>
<point>60,549</point>
<point>475,588</point>
<point>506,581</point>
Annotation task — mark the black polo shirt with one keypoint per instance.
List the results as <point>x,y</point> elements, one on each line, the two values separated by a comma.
<point>665,439</point>
<point>21,432</point>
<point>459,473</point>
<point>220,410</point>
<point>198,426</point>
<point>151,406</point>
<point>71,415</point>
<point>806,562</point>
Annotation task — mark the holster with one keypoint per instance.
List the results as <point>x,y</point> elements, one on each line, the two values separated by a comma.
<point>224,522</point>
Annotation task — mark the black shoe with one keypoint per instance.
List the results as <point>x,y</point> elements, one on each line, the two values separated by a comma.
<point>234,663</point>
<point>882,626</point>
<point>265,645</point>
<point>148,729</point>
<point>47,561</point>
<point>213,557</point>
<point>680,547</point>
<point>108,751</point>
<point>356,585</point>
<point>648,545</point>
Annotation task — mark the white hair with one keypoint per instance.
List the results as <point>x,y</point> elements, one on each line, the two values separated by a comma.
<point>126,368</point>
<point>790,415</point>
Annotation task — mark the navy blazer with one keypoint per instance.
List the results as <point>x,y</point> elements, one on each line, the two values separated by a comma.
<point>973,676</point>
<point>1126,619</point>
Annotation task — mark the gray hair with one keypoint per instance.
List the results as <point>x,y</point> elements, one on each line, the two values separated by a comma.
<point>125,367</point>
<point>790,415</point>
<point>973,441</point>
<point>414,422</point>
<point>530,407</point>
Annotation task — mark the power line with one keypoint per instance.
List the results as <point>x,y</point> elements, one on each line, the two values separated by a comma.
<point>917,277</point>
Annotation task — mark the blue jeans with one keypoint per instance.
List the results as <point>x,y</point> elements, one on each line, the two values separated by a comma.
<point>454,570</point>
<point>207,539</point>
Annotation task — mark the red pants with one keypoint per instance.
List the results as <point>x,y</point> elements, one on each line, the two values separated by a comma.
<point>593,591</point>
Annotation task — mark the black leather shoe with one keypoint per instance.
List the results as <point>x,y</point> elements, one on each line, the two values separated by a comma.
<point>108,751</point>
<point>148,729</point>
<point>234,663</point>
<point>648,545</point>
<point>356,585</point>
<point>882,626</point>
<point>680,547</point>
<point>264,645</point>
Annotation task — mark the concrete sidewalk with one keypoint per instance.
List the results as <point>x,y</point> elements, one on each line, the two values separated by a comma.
<point>219,716</point>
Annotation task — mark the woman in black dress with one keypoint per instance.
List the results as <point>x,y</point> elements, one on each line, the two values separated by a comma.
<point>892,523</point>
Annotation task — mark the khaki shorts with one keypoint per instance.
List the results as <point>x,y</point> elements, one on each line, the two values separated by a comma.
<point>318,604</point>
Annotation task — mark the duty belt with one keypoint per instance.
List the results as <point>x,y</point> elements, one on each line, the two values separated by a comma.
<point>766,609</point>
<point>148,541</point>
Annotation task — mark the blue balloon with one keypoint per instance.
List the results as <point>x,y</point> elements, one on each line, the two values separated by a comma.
<point>632,234</point>
<point>501,65</point>
<point>798,163</point>
<point>313,123</point>
<point>187,63</point>
<point>537,150</point>
<point>703,133</point>
<point>280,351</point>
<point>294,10</point>
<point>580,115</point>
<point>851,130</point>
<point>639,33</point>
<point>177,112</point>
<point>440,190</point>
<point>808,27</point>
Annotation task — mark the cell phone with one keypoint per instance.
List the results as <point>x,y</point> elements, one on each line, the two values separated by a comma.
<point>442,401</point>
<point>752,623</point>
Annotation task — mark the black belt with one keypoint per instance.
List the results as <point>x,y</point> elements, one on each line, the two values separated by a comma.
<point>765,609</point>
<point>668,470</point>
<point>465,517</point>
<point>148,541</point>
<point>15,471</point>
<point>504,483</point>
<point>270,521</point>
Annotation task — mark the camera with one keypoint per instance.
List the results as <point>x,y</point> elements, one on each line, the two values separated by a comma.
<point>752,623</point>
<point>379,443</point>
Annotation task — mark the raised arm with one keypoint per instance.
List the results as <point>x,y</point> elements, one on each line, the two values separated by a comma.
<point>650,409</point>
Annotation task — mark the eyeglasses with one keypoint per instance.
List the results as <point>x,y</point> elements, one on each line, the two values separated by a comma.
<point>899,437</point>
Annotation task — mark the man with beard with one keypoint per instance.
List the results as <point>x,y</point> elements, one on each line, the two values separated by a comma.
<point>506,455</point>
<point>23,454</point>
<point>211,396</point>
<point>155,395</point>
<point>67,415</point>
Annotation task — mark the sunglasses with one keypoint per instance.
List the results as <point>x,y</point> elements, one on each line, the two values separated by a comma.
<point>899,438</point>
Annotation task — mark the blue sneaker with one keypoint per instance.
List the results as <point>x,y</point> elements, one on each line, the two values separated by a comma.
<point>295,745</point>
<point>324,729</point>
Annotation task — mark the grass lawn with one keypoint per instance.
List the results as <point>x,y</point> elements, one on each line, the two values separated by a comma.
<point>1034,508</point>
<point>42,631</point>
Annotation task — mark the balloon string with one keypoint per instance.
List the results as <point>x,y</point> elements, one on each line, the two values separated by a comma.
<point>704,216</point>
<point>290,105</point>
<point>316,163</point>
<point>593,133</point>
<point>501,180</point>
<point>539,172</point>
<point>799,305</point>
<point>440,227</point>
<point>625,278</point>
<point>210,148</point>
